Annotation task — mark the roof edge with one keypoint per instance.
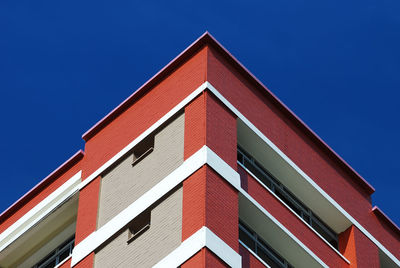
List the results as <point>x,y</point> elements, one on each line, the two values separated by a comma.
<point>43,183</point>
<point>378,212</point>
<point>208,39</point>
<point>244,71</point>
<point>155,79</point>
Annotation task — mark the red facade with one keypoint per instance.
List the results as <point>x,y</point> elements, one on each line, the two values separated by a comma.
<point>208,199</point>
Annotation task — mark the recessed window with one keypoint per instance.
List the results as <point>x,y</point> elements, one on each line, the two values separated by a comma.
<point>139,225</point>
<point>142,149</point>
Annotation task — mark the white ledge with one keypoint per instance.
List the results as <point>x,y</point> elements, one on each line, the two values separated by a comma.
<point>204,156</point>
<point>40,211</point>
<point>202,238</point>
<point>293,212</point>
<point>148,131</point>
<point>301,172</point>
<point>206,85</point>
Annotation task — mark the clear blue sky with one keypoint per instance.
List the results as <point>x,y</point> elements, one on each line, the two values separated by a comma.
<point>65,64</point>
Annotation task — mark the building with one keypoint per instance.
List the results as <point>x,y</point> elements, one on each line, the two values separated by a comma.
<point>201,166</point>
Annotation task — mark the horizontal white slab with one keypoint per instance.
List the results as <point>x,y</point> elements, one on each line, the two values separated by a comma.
<point>202,238</point>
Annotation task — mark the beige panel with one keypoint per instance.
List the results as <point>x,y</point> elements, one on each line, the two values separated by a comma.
<point>125,183</point>
<point>42,238</point>
<point>163,236</point>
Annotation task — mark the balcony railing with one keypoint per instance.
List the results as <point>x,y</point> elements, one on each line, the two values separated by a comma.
<point>259,247</point>
<point>62,252</point>
<point>246,160</point>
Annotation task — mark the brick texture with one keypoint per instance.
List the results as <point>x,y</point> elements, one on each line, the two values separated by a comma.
<point>291,222</point>
<point>248,259</point>
<point>161,238</point>
<point>66,264</point>
<point>358,249</point>
<point>87,210</point>
<point>129,183</point>
<point>208,200</point>
<point>30,203</point>
<point>144,112</point>
<point>272,120</point>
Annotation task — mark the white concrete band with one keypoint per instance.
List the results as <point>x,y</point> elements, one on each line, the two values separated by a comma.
<point>148,131</point>
<point>202,238</point>
<point>213,90</point>
<point>301,172</point>
<point>40,211</point>
<point>294,213</point>
<point>193,163</point>
<point>282,227</point>
<point>204,156</point>
<point>69,188</point>
<point>254,254</point>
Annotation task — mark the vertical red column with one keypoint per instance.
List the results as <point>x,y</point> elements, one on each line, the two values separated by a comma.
<point>208,200</point>
<point>87,217</point>
<point>358,249</point>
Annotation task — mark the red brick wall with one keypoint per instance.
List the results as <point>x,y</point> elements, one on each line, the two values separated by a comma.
<point>221,130</point>
<point>66,264</point>
<point>195,125</point>
<point>297,227</point>
<point>30,203</point>
<point>382,232</point>
<point>126,127</point>
<point>145,112</point>
<point>204,258</point>
<point>222,209</point>
<point>254,104</point>
<point>358,249</point>
<point>197,260</point>
<point>262,111</point>
<point>212,260</point>
<point>208,200</point>
<point>87,262</point>
<point>87,210</point>
<point>194,203</point>
<point>248,259</point>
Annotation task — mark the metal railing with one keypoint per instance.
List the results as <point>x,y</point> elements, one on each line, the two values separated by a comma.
<point>257,245</point>
<point>62,252</point>
<point>287,197</point>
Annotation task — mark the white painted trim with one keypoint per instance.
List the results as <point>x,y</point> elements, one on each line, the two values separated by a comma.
<point>282,227</point>
<point>182,104</point>
<point>95,239</point>
<point>223,169</point>
<point>301,172</point>
<point>254,254</point>
<point>204,156</point>
<point>40,211</point>
<point>64,261</point>
<point>193,163</point>
<point>148,131</point>
<point>202,238</point>
<point>291,210</point>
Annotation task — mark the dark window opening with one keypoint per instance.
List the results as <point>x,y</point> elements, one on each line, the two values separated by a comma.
<point>142,149</point>
<point>139,225</point>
